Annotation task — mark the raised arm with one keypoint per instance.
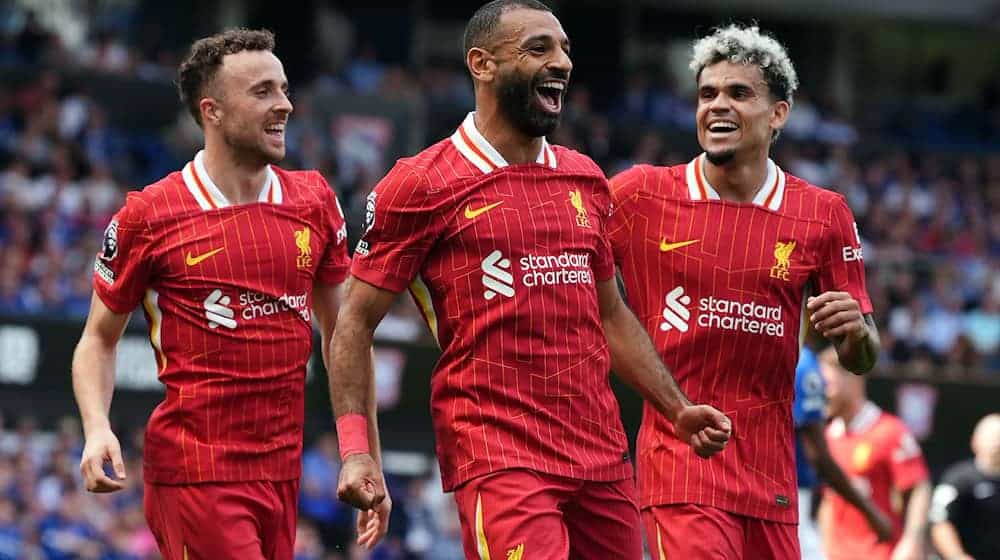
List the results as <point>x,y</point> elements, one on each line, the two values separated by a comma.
<point>93,387</point>
<point>635,361</point>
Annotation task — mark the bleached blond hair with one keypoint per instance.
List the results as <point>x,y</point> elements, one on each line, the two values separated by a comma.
<point>748,45</point>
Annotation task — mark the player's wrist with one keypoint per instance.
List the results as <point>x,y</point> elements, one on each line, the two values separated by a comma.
<point>352,435</point>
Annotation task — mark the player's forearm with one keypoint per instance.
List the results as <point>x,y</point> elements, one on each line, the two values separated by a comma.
<point>374,442</point>
<point>918,501</point>
<point>835,478</point>
<point>946,540</point>
<point>93,373</point>
<point>352,374</point>
<point>859,353</point>
<point>351,368</point>
<point>635,361</point>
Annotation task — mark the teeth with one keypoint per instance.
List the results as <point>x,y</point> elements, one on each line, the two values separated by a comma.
<point>554,85</point>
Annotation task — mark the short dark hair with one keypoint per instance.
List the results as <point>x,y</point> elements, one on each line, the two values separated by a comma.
<point>204,59</point>
<point>483,24</point>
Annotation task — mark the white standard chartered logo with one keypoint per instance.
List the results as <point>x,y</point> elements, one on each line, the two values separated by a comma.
<point>252,305</point>
<point>218,311</point>
<point>716,313</point>
<point>675,314</point>
<point>496,276</point>
<point>538,270</point>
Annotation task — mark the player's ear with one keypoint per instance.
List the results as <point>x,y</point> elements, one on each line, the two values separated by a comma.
<point>481,64</point>
<point>779,114</point>
<point>211,112</point>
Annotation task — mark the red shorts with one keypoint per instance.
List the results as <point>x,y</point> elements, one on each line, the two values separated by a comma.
<point>226,520</point>
<point>690,531</point>
<point>520,514</point>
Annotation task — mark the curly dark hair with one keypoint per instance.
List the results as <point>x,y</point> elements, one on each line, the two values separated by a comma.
<point>204,59</point>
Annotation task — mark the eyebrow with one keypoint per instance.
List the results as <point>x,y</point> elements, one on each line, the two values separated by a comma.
<point>546,37</point>
<point>268,82</point>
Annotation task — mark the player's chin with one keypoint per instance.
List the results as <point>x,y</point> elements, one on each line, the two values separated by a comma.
<point>273,153</point>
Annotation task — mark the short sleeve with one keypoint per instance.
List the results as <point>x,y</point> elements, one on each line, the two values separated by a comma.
<point>624,190</point>
<point>121,268</point>
<point>844,268</point>
<point>402,223</point>
<point>907,462</point>
<point>946,502</point>
<point>335,264</point>
<point>604,263</point>
<point>810,392</point>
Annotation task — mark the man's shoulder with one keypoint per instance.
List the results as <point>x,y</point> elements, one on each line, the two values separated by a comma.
<point>813,196</point>
<point>568,159</point>
<point>301,178</point>
<point>440,160</point>
<point>962,475</point>
<point>303,185</point>
<point>645,179</point>
<point>163,197</point>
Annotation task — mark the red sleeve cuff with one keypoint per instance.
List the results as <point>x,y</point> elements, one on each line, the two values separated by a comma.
<point>378,278</point>
<point>332,276</point>
<point>111,302</point>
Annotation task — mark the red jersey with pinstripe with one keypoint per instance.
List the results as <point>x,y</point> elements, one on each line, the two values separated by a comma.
<point>883,460</point>
<point>502,260</point>
<point>720,287</point>
<point>227,292</point>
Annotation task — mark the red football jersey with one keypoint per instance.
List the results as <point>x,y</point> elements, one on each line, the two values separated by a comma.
<point>720,287</point>
<point>883,460</point>
<point>227,292</point>
<point>502,260</point>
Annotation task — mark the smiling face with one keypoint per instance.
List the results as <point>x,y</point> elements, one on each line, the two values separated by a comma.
<point>736,114</point>
<point>533,69</point>
<point>249,105</point>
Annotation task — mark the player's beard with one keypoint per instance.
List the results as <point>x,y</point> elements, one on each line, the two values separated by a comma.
<point>251,148</point>
<point>721,157</point>
<point>516,100</point>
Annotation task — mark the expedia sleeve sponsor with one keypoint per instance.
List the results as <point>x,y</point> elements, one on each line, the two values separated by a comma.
<point>843,269</point>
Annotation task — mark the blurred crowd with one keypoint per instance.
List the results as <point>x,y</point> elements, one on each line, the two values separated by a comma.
<point>929,221</point>
<point>46,514</point>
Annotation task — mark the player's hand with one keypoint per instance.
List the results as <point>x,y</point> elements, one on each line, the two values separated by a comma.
<point>836,315</point>
<point>361,484</point>
<point>102,446</point>
<point>880,523</point>
<point>373,524</point>
<point>706,429</point>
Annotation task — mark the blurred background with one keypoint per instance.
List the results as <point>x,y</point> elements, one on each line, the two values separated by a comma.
<point>899,110</point>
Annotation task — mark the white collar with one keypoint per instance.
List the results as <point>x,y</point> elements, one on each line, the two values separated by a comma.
<point>862,421</point>
<point>207,193</point>
<point>474,146</point>
<point>769,195</point>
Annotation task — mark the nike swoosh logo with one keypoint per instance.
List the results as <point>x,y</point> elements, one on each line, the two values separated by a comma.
<point>664,246</point>
<point>471,214</point>
<point>191,261</point>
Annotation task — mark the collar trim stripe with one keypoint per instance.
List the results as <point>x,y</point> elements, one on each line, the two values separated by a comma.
<point>471,144</point>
